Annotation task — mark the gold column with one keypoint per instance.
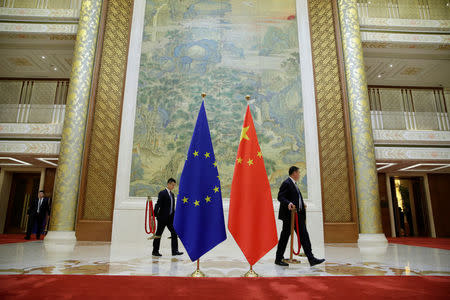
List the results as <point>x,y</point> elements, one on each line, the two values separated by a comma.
<point>363,150</point>
<point>71,153</point>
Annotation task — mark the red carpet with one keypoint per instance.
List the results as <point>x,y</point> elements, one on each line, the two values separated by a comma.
<point>15,238</point>
<point>440,243</point>
<point>144,287</point>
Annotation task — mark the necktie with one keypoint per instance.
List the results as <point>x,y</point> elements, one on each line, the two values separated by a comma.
<point>39,205</point>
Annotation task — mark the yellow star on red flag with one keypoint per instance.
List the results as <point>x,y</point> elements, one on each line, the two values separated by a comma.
<point>244,133</point>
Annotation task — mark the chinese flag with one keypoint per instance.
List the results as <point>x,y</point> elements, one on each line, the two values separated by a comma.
<point>251,218</point>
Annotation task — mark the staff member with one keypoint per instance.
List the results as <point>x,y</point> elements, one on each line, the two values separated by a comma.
<point>37,211</point>
<point>165,212</point>
<point>291,198</point>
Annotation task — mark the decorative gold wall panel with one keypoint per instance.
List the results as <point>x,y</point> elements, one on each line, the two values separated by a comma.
<point>333,148</point>
<point>104,144</point>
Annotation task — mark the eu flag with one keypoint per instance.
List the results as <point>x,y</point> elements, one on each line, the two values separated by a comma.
<point>199,220</point>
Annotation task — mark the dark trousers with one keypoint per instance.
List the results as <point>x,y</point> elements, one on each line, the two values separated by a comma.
<point>286,233</point>
<point>162,223</point>
<point>37,219</point>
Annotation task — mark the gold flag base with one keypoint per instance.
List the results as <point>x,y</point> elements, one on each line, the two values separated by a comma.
<point>251,273</point>
<point>198,273</point>
<point>153,237</point>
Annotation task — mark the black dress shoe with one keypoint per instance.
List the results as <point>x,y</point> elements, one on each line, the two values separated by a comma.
<point>281,263</point>
<point>177,253</point>
<point>315,261</point>
<point>156,254</point>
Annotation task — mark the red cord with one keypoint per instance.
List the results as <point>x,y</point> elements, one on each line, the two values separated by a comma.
<point>150,222</point>
<point>298,235</point>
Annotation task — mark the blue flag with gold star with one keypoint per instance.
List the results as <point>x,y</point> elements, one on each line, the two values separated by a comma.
<point>199,220</point>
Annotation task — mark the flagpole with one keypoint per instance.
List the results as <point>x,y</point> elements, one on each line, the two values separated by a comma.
<point>251,272</point>
<point>249,232</point>
<point>198,273</point>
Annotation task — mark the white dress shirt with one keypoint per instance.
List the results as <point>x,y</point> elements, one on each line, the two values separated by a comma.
<point>172,201</point>
<point>39,204</point>
<point>298,190</point>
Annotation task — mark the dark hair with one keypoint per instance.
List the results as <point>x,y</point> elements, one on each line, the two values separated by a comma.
<point>41,191</point>
<point>292,169</point>
<point>171,180</point>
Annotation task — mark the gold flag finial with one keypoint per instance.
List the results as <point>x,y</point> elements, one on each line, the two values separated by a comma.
<point>247,97</point>
<point>203,95</point>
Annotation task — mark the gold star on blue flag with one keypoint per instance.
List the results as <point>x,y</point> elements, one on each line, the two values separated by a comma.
<point>199,220</point>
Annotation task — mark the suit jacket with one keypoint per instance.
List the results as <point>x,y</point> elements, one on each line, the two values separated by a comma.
<point>45,207</point>
<point>288,193</point>
<point>162,207</point>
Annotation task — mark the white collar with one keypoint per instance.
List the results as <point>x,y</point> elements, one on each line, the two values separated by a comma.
<point>293,180</point>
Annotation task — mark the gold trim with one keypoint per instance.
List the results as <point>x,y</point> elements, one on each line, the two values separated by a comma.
<point>333,144</point>
<point>104,139</point>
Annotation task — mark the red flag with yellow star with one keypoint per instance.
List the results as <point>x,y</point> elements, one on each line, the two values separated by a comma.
<point>251,218</point>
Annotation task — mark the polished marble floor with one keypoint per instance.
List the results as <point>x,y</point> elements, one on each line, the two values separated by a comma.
<point>225,260</point>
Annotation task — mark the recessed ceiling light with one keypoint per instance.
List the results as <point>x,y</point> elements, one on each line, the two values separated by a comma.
<point>46,160</point>
<point>391,65</point>
<point>381,166</point>
<point>43,57</point>
<point>426,167</point>
<point>55,69</point>
<point>379,75</point>
<point>16,162</point>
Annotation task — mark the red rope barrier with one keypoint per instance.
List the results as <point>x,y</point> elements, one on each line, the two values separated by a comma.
<point>150,222</point>
<point>298,235</point>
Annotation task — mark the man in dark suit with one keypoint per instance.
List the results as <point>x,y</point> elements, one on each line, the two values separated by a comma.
<point>165,212</point>
<point>37,211</point>
<point>291,198</point>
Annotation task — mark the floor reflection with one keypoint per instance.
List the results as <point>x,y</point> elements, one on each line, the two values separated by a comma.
<point>91,258</point>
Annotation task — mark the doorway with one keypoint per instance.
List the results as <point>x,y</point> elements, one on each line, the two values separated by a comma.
<point>410,207</point>
<point>24,187</point>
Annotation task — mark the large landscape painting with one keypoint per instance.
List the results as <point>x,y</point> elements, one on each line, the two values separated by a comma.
<point>227,49</point>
